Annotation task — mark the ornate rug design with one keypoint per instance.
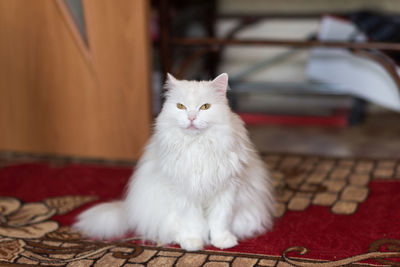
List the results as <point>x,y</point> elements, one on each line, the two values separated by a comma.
<point>331,212</point>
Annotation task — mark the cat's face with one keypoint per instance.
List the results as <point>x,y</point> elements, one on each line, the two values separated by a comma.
<point>195,106</point>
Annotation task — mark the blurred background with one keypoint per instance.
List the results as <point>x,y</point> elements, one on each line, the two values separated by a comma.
<point>83,78</point>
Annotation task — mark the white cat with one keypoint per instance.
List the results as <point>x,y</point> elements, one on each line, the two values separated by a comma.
<point>199,181</point>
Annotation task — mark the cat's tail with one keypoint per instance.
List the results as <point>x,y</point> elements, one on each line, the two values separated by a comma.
<point>103,221</point>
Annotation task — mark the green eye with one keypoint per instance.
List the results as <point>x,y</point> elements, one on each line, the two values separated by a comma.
<point>205,106</point>
<point>180,106</point>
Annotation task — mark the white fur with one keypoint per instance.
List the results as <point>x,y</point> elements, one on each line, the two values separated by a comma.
<point>194,185</point>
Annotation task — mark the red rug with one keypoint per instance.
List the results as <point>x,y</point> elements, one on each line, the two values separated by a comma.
<point>331,212</point>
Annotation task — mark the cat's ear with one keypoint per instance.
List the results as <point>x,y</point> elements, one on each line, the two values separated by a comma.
<point>171,79</point>
<point>220,83</point>
<point>170,82</point>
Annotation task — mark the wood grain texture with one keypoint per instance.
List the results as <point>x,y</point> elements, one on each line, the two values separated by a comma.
<point>54,99</point>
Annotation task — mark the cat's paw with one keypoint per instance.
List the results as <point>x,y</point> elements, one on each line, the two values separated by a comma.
<point>191,244</point>
<point>224,240</point>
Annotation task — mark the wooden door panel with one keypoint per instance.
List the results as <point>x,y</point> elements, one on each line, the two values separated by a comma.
<point>59,97</point>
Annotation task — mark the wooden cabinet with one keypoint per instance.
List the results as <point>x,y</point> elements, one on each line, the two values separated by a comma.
<point>61,94</point>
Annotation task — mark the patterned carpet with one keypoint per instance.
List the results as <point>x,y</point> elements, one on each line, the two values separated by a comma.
<point>331,212</point>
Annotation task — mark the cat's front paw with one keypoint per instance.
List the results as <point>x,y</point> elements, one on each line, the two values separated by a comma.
<point>191,244</point>
<point>224,240</point>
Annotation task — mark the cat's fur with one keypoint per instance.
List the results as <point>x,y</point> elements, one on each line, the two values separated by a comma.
<point>196,183</point>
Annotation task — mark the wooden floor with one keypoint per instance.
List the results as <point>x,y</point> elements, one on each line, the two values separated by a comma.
<point>378,137</point>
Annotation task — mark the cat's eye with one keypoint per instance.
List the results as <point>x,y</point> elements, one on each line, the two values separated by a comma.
<point>180,106</point>
<point>205,106</point>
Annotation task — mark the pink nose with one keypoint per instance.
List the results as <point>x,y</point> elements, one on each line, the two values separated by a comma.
<point>192,117</point>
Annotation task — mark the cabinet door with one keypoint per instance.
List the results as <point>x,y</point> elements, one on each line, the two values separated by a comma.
<point>75,84</point>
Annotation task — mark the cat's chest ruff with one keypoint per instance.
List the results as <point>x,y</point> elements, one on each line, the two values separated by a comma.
<point>199,152</point>
<point>203,147</point>
<point>201,158</point>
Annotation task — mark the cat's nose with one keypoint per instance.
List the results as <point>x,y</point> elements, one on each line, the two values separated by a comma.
<point>192,117</point>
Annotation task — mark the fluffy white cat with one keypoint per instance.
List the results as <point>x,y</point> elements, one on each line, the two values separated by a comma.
<point>200,180</point>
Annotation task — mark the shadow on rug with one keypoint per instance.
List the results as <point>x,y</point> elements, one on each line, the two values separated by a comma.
<point>331,212</point>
